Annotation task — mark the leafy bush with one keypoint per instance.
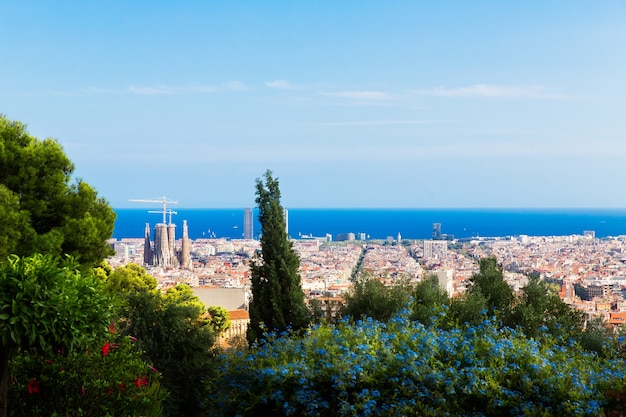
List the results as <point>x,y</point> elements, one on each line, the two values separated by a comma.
<point>369,297</point>
<point>111,380</point>
<point>404,368</point>
<point>176,339</point>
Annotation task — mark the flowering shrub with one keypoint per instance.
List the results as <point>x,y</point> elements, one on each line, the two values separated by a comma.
<point>111,380</point>
<point>403,368</point>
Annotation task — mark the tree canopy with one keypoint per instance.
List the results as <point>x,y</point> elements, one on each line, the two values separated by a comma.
<point>219,319</point>
<point>42,210</point>
<point>129,279</point>
<point>489,282</point>
<point>277,296</point>
<point>430,300</point>
<point>369,297</point>
<point>171,328</point>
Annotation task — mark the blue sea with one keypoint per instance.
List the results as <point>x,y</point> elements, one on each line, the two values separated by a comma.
<point>382,223</point>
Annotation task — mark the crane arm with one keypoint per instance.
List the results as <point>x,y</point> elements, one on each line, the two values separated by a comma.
<point>163,200</point>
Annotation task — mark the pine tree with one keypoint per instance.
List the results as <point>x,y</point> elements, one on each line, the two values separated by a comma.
<point>41,209</point>
<point>277,296</point>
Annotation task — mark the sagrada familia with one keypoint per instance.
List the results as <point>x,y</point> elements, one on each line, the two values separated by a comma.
<point>163,252</point>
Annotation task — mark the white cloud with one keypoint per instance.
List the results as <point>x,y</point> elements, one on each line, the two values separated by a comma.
<point>234,86</point>
<point>169,89</point>
<point>100,90</point>
<point>281,85</point>
<point>361,95</point>
<point>143,90</point>
<point>198,89</point>
<point>486,90</point>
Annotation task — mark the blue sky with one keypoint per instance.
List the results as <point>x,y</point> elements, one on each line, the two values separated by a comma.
<point>351,104</point>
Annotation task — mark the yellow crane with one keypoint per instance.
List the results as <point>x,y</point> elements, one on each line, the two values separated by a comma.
<point>163,200</point>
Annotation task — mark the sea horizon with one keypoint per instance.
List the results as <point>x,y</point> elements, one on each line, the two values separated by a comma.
<point>381,223</point>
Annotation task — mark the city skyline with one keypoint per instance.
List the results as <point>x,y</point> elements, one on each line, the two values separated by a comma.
<point>359,104</point>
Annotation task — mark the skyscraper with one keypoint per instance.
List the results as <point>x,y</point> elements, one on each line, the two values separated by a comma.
<point>248,224</point>
<point>436,231</point>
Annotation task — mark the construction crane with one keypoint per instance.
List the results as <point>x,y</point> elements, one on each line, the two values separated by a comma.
<point>163,200</point>
<point>169,212</point>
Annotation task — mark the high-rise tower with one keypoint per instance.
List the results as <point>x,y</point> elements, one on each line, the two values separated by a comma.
<point>436,231</point>
<point>434,249</point>
<point>248,225</point>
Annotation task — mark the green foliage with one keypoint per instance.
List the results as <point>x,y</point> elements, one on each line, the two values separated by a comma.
<point>125,280</point>
<point>277,296</point>
<point>14,222</point>
<point>43,211</point>
<point>403,368</point>
<point>111,381</point>
<point>468,309</point>
<point>176,339</point>
<point>429,300</point>
<point>369,297</point>
<point>47,301</point>
<point>595,337</point>
<point>219,319</point>
<point>489,282</point>
<point>182,297</point>
<point>540,307</point>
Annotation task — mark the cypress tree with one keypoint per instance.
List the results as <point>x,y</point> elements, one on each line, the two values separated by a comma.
<point>277,296</point>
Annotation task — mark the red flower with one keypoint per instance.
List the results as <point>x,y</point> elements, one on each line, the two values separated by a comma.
<point>112,328</point>
<point>141,382</point>
<point>105,349</point>
<point>33,386</point>
<point>122,387</point>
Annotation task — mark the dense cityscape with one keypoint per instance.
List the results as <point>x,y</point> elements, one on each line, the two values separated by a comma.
<point>590,273</point>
